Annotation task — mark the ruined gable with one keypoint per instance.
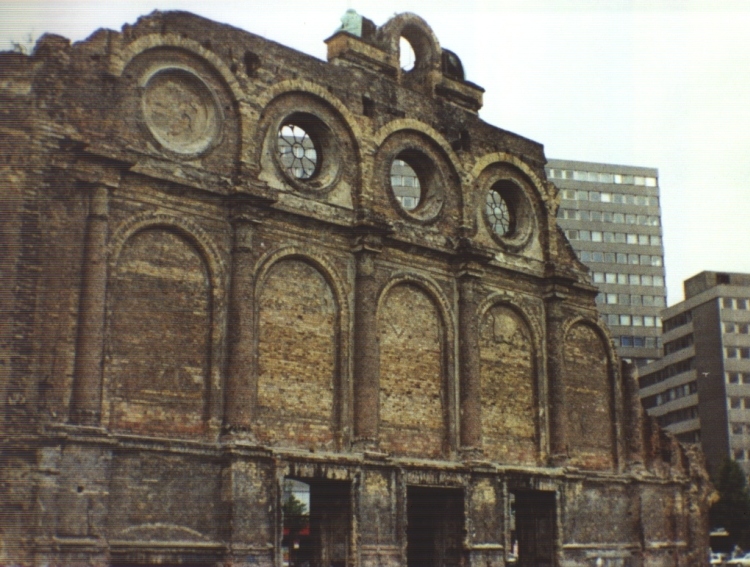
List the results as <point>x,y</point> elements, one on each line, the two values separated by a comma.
<point>235,271</point>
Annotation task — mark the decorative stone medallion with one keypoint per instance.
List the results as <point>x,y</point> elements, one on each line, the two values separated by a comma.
<point>181,112</point>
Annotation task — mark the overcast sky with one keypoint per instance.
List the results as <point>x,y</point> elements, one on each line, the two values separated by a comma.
<point>656,83</point>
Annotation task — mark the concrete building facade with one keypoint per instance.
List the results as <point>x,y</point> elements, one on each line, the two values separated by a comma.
<point>215,299</point>
<point>612,217</point>
<point>700,390</point>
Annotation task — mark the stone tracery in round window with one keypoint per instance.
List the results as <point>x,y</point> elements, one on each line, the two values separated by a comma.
<point>500,213</point>
<point>297,151</point>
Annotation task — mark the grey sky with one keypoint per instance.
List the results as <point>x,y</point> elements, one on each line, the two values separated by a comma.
<point>649,83</point>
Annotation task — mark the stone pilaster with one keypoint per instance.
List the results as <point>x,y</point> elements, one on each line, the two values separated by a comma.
<point>86,401</point>
<point>366,346</point>
<point>241,386</point>
<point>469,361</point>
<point>556,377</point>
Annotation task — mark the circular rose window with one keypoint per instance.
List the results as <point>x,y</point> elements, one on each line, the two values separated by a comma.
<point>297,151</point>
<point>500,214</point>
<point>509,214</point>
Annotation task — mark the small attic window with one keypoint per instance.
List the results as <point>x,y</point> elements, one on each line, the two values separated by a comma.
<point>407,56</point>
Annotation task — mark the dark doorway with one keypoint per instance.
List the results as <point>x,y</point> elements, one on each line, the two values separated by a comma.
<point>534,532</point>
<point>317,523</point>
<point>435,526</point>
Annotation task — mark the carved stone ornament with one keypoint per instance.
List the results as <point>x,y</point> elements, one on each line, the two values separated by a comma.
<point>181,111</point>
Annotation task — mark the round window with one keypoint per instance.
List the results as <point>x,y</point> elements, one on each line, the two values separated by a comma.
<point>500,213</point>
<point>297,151</point>
<point>509,214</point>
<point>405,184</point>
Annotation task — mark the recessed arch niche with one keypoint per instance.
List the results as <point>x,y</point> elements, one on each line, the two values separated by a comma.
<point>159,334</point>
<point>508,393</point>
<point>589,398</point>
<point>298,321</point>
<point>412,397</point>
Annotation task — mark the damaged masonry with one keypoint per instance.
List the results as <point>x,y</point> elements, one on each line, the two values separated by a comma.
<point>231,268</point>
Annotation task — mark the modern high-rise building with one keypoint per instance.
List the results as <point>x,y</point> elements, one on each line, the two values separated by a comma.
<point>700,390</point>
<point>611,216</point>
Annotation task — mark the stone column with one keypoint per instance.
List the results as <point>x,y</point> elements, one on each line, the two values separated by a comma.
<point>366,348</point>
<point>556,378</point>
<point>86,400</point>
<point>240,390</point>
<point>469,361</point>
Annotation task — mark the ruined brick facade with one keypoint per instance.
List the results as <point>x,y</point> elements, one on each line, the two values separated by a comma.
<point>193,313</point>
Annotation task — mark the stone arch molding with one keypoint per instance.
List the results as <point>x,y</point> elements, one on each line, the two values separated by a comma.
<point>119,60</point>
<point>441,174</point>
<point>433,291</point>
<point>186,100</point>
<point>206,251</point>
<point>505,158</point>
<point>331,275</point>
<point>600,331</point>
<point>418,32</point>
<point>327,122</point>
<point>509,301</point>
<point>308,87</point>
<point>186,228</point>
<point>406,124</point>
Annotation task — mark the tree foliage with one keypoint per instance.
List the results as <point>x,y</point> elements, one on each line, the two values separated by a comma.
<point>732,510</point>
<point>296,517</point>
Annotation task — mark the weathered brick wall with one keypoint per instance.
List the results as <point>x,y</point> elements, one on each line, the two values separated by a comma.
<point>589,397</point>
<point>190,322</point>
<point>157,368</point>
<point>508,378</point>
<point>297,322</point>
<point>412,392</point>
